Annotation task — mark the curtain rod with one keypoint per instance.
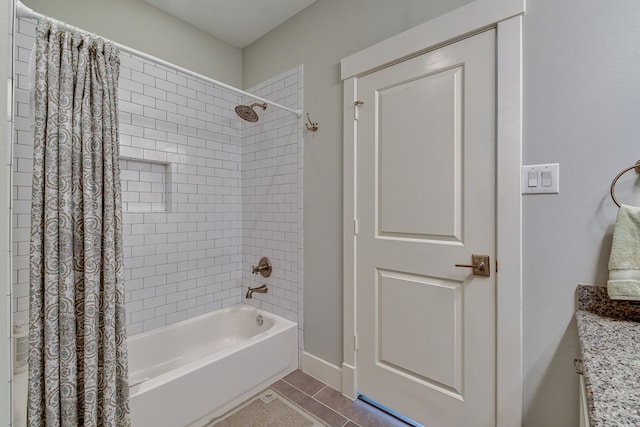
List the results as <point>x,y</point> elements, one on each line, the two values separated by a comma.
<point>24,11</point>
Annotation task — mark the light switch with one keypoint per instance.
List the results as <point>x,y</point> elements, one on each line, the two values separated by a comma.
<point>541,179</point>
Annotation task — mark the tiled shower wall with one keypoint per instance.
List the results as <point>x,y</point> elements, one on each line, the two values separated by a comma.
<point>22,169</point>
<point>182,194</point>
<point>272,198</point>
<point>182,179</point>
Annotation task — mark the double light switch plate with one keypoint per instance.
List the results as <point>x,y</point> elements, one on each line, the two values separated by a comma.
<point>541,179</point>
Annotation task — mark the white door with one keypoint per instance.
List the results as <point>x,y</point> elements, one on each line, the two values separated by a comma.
<point>425,202</point>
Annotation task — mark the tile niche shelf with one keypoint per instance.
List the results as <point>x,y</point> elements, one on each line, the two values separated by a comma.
<point>146,185</point>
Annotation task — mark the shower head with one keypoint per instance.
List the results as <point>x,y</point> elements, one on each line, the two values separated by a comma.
<point>246,111</point>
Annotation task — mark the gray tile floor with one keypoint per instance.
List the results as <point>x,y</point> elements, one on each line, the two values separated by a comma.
<point>330,405</point>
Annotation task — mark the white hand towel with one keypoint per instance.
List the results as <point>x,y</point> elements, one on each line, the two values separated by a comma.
<point>624,262</point>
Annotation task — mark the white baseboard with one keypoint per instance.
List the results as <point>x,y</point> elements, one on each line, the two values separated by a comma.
<point>326,372</point>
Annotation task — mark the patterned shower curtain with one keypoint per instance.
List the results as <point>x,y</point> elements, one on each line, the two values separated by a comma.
<point>78,348</point>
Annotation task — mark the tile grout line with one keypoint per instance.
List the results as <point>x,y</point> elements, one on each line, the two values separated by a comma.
<point>331,408</point>
<point>322,403</point>
<point>327,406</point>
<point>317,392</point>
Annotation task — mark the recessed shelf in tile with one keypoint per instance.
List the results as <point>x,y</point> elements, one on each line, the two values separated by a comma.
<point>146,185</point>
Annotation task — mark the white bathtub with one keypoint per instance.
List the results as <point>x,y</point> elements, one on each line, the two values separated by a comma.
<point>186,373</point>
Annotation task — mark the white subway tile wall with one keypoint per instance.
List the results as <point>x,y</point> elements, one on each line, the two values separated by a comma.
<point>187,193</point>
<point>6,348</point>
<point>272,198</point>
<point>22,169</point>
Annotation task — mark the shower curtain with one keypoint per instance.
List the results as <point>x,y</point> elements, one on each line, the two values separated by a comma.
<point>77,340</point>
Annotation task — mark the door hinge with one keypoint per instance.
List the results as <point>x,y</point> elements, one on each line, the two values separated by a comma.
<point>355,109</point>
<point>355,227</point>
<point>496,266</point>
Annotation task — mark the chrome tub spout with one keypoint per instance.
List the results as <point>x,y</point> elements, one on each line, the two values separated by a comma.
<point>260,289</point>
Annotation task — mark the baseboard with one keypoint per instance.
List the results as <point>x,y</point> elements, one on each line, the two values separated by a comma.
<point>326,372</point>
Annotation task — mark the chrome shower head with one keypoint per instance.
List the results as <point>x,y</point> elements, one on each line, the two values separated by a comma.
<point>246,111</point>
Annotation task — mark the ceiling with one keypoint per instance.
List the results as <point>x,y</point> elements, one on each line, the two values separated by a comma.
<point>238,22</point>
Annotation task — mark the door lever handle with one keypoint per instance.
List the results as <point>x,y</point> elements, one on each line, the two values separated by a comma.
<point>480,265</point>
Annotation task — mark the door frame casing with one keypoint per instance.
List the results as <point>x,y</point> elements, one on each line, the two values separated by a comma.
<point>506,17</point>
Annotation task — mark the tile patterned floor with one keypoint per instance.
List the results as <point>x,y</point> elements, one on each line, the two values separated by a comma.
<point>330,405</point>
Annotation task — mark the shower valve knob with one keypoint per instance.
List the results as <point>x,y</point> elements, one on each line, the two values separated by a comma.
<point>263,267</point>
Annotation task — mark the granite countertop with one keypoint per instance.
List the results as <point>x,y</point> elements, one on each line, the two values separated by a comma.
<point>609,334</point>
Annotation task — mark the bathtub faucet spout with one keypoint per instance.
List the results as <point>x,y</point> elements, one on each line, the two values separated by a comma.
<point>260,289</point>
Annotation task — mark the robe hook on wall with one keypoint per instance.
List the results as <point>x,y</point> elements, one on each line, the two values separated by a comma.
<point>314,126</point>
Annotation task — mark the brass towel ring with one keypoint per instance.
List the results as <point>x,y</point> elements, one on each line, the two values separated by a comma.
<point>613,183</point>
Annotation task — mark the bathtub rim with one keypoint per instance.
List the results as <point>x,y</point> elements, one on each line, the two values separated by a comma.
<point>235,307</point>
<point>280,324</point>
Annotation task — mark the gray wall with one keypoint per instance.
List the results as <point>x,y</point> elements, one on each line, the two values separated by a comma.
<point>319,37</point>
<point>148,29</point>
<point>581,91</point>
<point>582,99</point>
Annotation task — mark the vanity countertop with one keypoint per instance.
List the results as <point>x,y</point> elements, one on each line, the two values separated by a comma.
<point>609,334</point>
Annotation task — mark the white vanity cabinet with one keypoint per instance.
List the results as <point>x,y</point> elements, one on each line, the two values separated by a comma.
<point>584,408</point>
